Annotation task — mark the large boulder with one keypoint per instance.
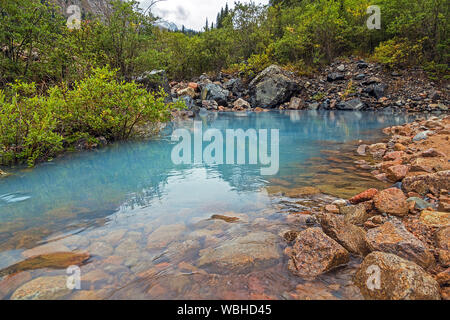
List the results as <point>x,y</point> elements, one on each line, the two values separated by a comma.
<point>424,184</point>
<point>315,253</point>
<point>391,201</point>
<point>385,276</point>
<point>346,234</point>
<point>273,87</point>
<point>393,237</point>
<point>213,91</point>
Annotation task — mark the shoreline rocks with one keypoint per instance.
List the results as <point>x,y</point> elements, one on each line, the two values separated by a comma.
<point>315,253</point>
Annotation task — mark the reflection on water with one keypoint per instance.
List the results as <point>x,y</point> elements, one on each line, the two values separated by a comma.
<point>146,222</point>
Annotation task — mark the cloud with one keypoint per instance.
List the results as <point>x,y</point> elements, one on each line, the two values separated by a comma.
<point>190,13</point>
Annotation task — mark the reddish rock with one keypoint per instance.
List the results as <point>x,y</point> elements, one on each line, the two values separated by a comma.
<point>394,155</point>
<point>397,173</point>
<point>427,183</point>
<point>332,208</point>
<point>393,237</point>
<point>391,201</point>
<point>315,253</point>
<point>399,147</point>
<point>193,85</point>
<point>387,164</point>
<point>364,196</point>
<point>443,278</point>
<point>431,153</point>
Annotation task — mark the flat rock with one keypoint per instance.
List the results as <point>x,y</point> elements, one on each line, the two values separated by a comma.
<point>391,201</point>
<point>164,235</point>
<point>47,248</point>
<point>242,254</point>
<point>399,279</point>
<point>393,237</point>
<point>43,288</point>
<point>315,253</point>
<point>435,218</point>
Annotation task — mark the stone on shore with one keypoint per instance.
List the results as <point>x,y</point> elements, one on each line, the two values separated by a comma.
<point>273,87</point>
<point>364,196</point>
<point>393,237</point>
<point>435,218</point>
<point>351,237</point>
<point>385,276</point>
<point>427,183</point>
<point>356,214</point>
<point>391,201</point>
<point>315,253</point>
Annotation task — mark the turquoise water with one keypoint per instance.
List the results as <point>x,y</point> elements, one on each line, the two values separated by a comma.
<point>136,187</point>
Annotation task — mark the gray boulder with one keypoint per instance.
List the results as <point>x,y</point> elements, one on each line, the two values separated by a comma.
<point>273,87</point>
<point>212,91</point>
<point>354,104</point>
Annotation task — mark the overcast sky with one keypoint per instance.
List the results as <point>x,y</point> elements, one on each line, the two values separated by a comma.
<point>191,13</point>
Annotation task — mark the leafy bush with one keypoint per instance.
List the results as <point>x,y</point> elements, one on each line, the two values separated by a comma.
<point>255,64</point>
<point>397,53</point>
<point>27,126</point>
<point>35,127</point>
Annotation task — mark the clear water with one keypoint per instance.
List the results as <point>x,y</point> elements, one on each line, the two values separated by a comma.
<point>133,189</point>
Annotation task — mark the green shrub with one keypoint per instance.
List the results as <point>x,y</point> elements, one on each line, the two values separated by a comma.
<point>102,106</point>
<point>27,126</point>
<point>398,53</point>
<point>255,64</point>
<point>35,127</point>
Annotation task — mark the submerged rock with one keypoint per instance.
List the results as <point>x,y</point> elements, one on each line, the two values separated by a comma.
<point>315,253</point>
<point>241,254</point>
<point>43,288</point>
<point>385,276</point>
<point>393,237</point>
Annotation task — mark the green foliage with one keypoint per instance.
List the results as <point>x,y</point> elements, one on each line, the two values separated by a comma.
<point>35,127</point>
<point>255,64</point>
<point>398,53</point>
<point>27,125</point>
